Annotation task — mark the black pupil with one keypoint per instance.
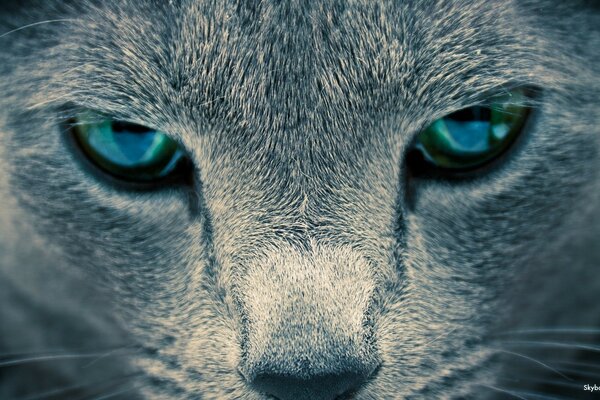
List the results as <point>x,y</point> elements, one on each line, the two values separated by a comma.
<point>120,127</point>
<point>470,114</point>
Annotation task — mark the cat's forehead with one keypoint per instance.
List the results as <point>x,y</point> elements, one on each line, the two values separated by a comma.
<point>269,63</point>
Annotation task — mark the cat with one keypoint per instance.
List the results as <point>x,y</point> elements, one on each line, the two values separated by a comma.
<point>306,254</point>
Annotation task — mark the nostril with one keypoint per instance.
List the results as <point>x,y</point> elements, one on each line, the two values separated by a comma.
<point>321,387</point>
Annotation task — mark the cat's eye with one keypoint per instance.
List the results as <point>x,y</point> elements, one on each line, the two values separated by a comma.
<point>125,150</point>
<point>473,137</point>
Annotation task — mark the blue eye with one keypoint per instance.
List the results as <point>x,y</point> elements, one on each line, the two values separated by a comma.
<point>474,136</point>
<point>127,151</point>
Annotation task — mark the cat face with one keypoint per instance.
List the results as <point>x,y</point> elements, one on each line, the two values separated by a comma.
<point>303,257</point>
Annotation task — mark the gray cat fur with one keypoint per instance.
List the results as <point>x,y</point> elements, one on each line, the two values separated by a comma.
<point>304,247</point>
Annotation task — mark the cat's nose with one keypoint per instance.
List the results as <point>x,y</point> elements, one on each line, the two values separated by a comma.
<point>308,331</point>
<point>318,387</point>
<point>311,374</point>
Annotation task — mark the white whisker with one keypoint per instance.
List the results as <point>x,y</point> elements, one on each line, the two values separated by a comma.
<point>505,391</point>
<point>581,372</point>
<point>440,336</point>
<point>114,394</point>
<point>59,351</point>
<point>565,330</point>
<point>535,361</point>
<point>533,343</point>
<point>91,385</point>
<point>548,382</point>
<point>55,357</point>
<point>576,364</point>
<point>50,21</point>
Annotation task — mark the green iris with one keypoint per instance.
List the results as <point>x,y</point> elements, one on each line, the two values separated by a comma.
<point>125,150</point>
<point>474,136</point>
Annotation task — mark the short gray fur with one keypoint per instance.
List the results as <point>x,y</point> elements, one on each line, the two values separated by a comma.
<point>302,249</point>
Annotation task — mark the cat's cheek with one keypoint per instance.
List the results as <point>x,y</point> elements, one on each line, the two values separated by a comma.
<point>133,237</point>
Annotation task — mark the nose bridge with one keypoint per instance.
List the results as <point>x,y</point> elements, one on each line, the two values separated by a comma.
<point>306,315</point>
<point>320,189</point>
